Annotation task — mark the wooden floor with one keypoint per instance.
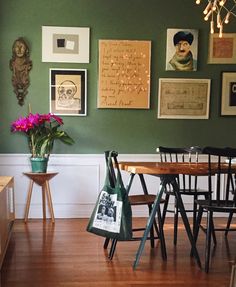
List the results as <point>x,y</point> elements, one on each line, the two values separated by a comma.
<point>64,254</point>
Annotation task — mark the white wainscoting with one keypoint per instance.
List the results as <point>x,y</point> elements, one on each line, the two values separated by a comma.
<point>76,187</point>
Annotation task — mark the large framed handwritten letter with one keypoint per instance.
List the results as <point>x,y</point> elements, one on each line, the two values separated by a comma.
<point>124,74</point>
<point>183,98</point>
<point>222,50</point>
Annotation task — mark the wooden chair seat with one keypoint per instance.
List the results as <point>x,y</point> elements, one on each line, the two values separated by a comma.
<point>198,192</point>
<point>143,199</point>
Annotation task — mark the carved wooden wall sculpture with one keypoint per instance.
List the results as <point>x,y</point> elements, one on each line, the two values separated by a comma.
<point>20,64</point>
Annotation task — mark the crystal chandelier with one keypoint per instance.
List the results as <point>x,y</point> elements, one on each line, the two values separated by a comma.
<point>218,12</point>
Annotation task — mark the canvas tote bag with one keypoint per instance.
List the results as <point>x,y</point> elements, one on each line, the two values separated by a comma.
<point>112,215</point>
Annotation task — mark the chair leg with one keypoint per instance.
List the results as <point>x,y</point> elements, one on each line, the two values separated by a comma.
<point>197,226</point>
<point>213,232</point>
<point>113,248</point>
<point>194,211</point>
<point>213,227</point>
<point>176,216</point>
<point>161,235</point>
<point>228,223</point>
<point>106,242</point>
<point>208,240</point>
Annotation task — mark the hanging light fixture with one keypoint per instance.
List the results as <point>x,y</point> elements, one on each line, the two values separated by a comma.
<point>218,12</point>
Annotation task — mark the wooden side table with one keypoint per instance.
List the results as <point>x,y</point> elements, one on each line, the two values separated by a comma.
<point>42,179</point>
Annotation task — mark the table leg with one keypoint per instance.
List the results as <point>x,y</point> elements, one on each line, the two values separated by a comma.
<point>28,200</point>
<point>185,221</point>
<point>150,221</point>
<point>43,200</point>
<point>50,201</point>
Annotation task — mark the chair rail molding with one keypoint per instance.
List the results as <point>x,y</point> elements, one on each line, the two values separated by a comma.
<point>76,187</point>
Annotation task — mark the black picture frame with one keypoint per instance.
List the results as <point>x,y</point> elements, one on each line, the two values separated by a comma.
<point>68,92</point>
<point>228,94</point>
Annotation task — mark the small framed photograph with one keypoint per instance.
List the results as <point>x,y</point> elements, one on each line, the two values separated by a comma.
<point>228,94</point>
<point>222,50</point>
<point>183,98</point>
<point>68,92</point>
<point>182,50</point>
<point>65,44</point>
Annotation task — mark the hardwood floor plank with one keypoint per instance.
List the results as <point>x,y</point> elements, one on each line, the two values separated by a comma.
<point>65,254</point>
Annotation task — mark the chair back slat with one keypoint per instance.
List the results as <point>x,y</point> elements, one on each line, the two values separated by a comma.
<point>172,154</point>
<point>217,157</point>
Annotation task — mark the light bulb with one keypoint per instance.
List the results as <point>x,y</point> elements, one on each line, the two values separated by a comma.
<point>198,2</point>
<point>218,21</point>
<point>207,8</point>
<point>222,2</point>
<point>221,31</point>
<point>212,27</point>
<point>227,18</point>
<point>214,5</point>
<point>208,15</point>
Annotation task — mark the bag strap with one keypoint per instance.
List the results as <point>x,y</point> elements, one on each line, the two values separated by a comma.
<point>119,181</point>
<point>111,178</point>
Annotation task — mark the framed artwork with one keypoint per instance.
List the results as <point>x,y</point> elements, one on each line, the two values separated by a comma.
<point>68,92</point>
<point>222,50</point>
<point>181,50</point>
<point>65,44</point>
<point>228,94</point>
<point>183,98</point>
<point>124,74</point>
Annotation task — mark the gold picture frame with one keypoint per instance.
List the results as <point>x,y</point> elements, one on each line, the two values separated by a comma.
<point>228,94</point>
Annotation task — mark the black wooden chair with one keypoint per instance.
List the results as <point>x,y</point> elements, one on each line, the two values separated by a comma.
<point>188,184</point>
<point>223,201</point>
<point>139,199</point>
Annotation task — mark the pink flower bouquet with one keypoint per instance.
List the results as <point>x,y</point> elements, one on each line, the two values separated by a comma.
<point>41,131</point>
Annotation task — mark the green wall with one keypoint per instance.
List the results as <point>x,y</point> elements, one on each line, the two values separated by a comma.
<point>128,131</point>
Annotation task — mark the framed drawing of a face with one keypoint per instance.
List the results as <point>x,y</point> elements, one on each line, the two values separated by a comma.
<point>68,92</point>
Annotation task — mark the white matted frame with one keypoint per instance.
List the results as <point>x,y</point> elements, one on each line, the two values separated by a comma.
<point>68,92</point>
<point>228,96</point>
<point>222,50</point>
<point>183,98</point>
<point>65,44</point>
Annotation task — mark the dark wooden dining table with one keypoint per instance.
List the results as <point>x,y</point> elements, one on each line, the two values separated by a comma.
<point>168,173</point>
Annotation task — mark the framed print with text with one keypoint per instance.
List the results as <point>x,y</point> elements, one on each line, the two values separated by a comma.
<point>65,44</point>
<point>228,94</point>
<point>68,92</point>
<point>124,74</point>
<point>183,98</point>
